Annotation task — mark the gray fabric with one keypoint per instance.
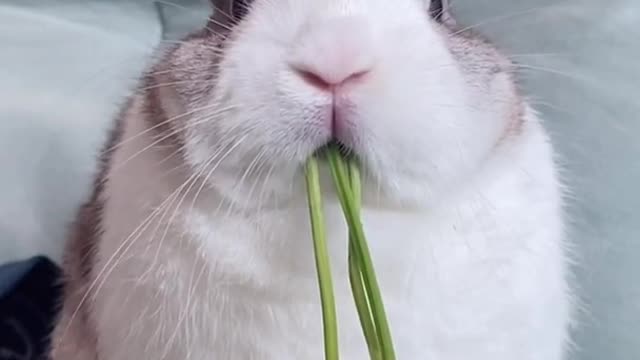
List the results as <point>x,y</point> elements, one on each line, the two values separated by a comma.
<point>178,18</point>
<point>65,66</point>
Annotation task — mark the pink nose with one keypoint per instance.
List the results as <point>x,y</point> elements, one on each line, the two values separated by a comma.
<point>334,52</point>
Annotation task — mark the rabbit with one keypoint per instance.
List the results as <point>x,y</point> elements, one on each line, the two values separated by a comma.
<point>195,243</point>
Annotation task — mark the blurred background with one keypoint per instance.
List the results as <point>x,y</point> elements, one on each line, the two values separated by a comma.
<point>66,66</point>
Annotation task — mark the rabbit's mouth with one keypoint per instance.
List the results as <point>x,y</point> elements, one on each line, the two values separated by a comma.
<point>344,150</point>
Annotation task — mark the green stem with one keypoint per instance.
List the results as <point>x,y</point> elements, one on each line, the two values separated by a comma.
<point>355,277</point>
<point>362,305</point>
<point>351,211</point>
<point>327,298</point>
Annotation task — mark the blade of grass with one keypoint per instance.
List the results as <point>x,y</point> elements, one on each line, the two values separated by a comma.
<point>362,305</point>
<point>356,186</point>
<point>351,211</point>
<point>355,277</point>
<point>371,332</point>
<point>327,299</point>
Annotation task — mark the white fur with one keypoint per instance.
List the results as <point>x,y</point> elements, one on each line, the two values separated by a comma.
<point>466,230</point>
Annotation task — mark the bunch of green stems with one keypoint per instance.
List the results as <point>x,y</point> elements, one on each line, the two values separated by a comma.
<point>364,285</point>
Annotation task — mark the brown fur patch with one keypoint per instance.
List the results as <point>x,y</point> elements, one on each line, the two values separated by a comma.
<point>184,73</point>
<point>74,336</point>
<point>155,115</point>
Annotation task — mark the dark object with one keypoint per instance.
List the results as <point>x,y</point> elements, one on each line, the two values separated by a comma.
<point>29,292</point>
<point>437,9</point>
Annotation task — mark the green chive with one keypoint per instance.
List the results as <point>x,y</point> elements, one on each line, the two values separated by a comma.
<point>322,261</point>
<point>364,285</point>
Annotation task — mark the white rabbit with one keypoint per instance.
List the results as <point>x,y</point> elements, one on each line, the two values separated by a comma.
<point>196,242</point>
